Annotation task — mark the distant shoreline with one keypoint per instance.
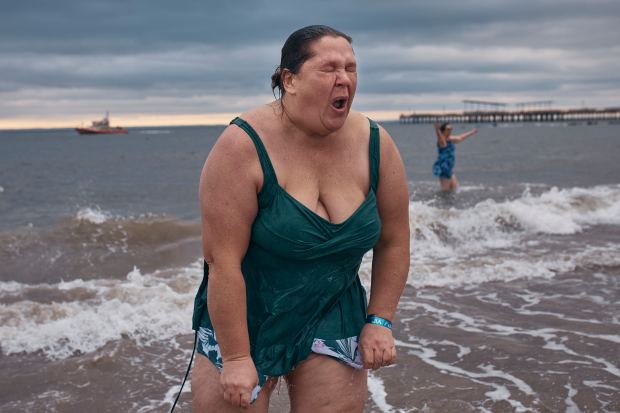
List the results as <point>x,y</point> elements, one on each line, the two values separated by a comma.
<point>592,122</point>
<point>132,128</point>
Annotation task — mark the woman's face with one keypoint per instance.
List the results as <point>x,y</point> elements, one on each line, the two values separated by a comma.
<point>325,84</point>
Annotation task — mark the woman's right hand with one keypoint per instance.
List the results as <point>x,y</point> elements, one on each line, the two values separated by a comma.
<point>238,379</point>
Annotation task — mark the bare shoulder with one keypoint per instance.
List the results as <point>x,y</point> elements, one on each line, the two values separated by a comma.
<point>233,143</point>
<point>261,117</point>
<point>360,124</point>
<point>233,158</point>
<point>357,124</point>
<point>385,136</point>
<point>389,150</point>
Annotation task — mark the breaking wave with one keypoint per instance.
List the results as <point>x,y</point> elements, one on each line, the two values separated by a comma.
<point>96,277</point>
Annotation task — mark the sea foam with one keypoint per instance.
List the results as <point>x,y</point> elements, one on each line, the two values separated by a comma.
<point>93,215</point>
<point>142,307</point>
<point>449,247</point>
<point>506,240</point>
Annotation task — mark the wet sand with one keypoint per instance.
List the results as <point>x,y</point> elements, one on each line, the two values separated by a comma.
<point>536,346</point>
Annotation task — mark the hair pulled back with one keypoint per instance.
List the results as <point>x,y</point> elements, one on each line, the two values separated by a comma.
<point>296,51</point>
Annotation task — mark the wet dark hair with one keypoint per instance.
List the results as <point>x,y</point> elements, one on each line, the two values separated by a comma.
<point>296,51</point>
<point>444,126</point>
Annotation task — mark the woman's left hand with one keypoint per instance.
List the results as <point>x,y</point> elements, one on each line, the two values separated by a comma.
<point>376,344</point>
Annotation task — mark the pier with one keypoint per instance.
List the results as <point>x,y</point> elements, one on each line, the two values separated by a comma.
<point>476,111</point>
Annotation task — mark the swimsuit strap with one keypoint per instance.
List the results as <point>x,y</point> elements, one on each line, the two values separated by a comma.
<point>374,152</point>
<point>270,181</point>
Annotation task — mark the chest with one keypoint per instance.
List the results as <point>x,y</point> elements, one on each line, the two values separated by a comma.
<point>287,228</point>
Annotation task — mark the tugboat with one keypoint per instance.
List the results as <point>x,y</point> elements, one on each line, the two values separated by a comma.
<point>101,127</point>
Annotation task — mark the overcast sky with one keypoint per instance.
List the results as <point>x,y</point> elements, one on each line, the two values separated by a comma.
<point>65,60</point>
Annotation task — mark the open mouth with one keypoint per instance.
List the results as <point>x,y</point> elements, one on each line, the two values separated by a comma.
<point>339,103</point>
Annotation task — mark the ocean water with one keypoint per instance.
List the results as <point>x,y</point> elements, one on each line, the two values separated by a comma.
<point>512,302</point>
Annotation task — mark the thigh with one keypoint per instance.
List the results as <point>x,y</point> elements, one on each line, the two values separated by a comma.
<point>322,384</point>
<point>207,395</point>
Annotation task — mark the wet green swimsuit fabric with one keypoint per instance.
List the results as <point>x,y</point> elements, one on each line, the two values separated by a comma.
<point>300,270</point>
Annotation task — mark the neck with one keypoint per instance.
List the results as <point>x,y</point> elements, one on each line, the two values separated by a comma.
<point>296,123</point>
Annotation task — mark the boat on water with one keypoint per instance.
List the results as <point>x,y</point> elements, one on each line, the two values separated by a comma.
<point>100,127</point>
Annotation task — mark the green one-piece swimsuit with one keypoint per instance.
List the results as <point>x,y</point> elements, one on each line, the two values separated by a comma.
<point>300,270</point>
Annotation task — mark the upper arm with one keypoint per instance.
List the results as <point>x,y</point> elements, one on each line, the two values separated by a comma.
<point>441,140</point>
<point>229,183</point>
<point>392,194</point>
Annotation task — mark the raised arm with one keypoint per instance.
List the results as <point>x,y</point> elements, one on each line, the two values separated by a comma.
<point>228,207</point>
<point>390,264</point>
<point>460,138</point>
<point>441,139</point>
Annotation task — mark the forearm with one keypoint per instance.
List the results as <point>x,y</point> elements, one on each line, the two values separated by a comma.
<point>461,138</point>
<point>468,134</point>
<point>440,136</point>
<point>390,268</point>
<point>228,312</point>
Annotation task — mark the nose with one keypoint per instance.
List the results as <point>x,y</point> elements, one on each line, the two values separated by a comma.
<point>343,78</point>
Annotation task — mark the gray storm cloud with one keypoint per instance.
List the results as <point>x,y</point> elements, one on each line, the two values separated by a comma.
<point>196,57</point>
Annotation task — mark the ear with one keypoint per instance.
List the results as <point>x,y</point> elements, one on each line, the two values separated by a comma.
<point>288,81</point>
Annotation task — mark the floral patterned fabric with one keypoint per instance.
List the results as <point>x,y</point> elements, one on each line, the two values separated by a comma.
<point>344,350</point>
<point>444,164</point>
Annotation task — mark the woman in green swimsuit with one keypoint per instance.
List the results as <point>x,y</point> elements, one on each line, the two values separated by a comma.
<point>293,194</point>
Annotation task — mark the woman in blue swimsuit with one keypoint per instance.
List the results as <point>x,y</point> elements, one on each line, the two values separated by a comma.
<point>293,194</point>
<point>443,166</point>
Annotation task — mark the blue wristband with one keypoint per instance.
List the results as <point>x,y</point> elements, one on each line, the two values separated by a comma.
<point>380,321</point>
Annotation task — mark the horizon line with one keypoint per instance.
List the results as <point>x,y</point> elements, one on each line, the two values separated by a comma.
<point>142,120</point>
<point>148,120</point>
